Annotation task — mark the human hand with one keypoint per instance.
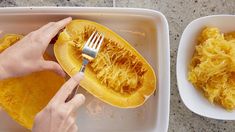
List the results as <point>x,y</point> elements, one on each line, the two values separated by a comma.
<point>59,116</point>
<point>26,56</point>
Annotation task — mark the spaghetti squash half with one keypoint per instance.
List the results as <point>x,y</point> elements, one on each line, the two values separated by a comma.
<point>119,75</point>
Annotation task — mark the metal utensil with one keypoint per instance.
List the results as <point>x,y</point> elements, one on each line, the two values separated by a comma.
<point>89,52</point>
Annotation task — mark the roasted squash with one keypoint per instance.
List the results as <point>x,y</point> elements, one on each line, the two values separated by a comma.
<point>23,97</point>
<point>9,40</point>
<point>119,75</point>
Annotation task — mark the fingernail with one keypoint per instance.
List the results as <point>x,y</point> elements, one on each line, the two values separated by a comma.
<point>68,18</point>
<point>82,97</point>
<point>79,76</point>
<point>63,74</point>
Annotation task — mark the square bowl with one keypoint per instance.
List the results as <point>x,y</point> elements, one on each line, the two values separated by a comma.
<point>146,30</point>
<point>192,98</point>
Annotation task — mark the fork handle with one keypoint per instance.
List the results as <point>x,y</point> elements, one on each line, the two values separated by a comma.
<point>75,90</point>
<point>84,63</point>
<point>82,69</point>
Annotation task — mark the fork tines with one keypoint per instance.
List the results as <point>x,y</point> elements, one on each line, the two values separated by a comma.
<point>95,40</point>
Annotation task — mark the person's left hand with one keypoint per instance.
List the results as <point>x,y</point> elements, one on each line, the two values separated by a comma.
<point>26,56</point>
<point>58,115</point>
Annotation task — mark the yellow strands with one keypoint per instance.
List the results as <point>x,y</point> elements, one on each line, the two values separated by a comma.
<point>119,75</point>
<point>212,68</point>
<point>115,66</point>
<point>23,97</point>
<point>9,40</point>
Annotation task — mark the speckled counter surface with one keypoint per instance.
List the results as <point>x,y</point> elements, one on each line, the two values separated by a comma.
<point>179,13</point>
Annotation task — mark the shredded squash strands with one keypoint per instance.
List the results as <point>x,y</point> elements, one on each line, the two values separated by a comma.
<point>9,40</point>
<point>23,97</point>
<point>115,66</point>
<point>212,68</point>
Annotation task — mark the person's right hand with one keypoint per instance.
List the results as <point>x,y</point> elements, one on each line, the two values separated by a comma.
<point>59,116</point>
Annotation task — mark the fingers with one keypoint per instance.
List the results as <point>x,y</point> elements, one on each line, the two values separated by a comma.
<point>51,65</point>
<point>53,28</point>
<point>48,31</point>
<point>67,88</point>
<point>76,102</point>
<point>73,128</point>
<point>45,26</point>
<point>70,123</point>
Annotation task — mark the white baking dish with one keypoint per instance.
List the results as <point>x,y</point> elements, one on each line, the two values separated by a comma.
<point>146,29</point>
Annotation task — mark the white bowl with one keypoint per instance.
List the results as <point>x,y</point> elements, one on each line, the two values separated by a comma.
<point>146,29</point>
<point>192,98</point>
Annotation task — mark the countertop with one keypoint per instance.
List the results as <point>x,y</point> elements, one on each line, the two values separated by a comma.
<point>178,13</point>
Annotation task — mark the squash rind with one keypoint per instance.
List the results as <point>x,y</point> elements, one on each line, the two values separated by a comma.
<point>66,57</point>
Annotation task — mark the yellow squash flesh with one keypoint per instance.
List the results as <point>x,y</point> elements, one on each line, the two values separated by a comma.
<point>119,75</point>
<point>23,97</point>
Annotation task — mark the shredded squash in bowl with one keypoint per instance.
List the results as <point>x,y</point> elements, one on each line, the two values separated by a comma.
<point>212,68</point>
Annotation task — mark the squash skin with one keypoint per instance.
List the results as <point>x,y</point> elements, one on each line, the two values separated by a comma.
<point>66,57</point>
<point>23,97</point>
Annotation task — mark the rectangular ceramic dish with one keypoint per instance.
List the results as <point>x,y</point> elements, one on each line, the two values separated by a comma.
<point>146,30</point>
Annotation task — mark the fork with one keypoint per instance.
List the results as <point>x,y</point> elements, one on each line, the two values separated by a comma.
<point>89,53</point>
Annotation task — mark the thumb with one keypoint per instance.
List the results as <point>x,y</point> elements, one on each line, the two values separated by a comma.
<point>77,101</point>
<point>51,65</point>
